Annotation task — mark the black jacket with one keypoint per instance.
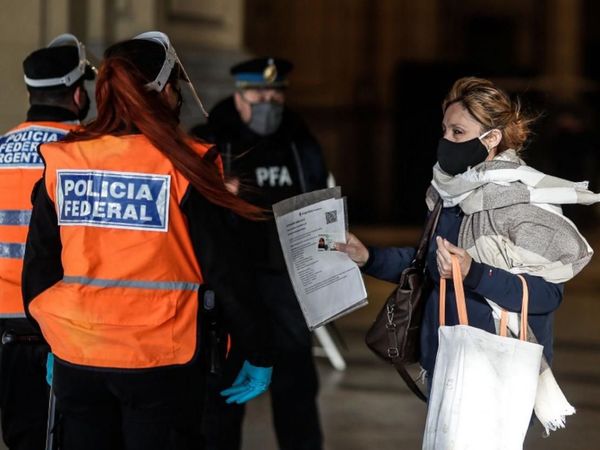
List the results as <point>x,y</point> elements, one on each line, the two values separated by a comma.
<point>237,143</point>
<point>270,168</point>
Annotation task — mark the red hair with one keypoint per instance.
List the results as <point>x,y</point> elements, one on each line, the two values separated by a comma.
<point>125,106</point>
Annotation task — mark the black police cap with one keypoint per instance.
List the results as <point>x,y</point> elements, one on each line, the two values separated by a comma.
<point>55,66</point>
<point>262,73</point>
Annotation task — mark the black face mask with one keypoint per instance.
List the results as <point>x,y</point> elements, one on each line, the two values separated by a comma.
<point>457,157</point>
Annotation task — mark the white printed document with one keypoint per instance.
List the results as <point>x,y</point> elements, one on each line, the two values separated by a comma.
<point>327,283</point>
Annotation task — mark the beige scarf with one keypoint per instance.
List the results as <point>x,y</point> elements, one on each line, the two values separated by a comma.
<point>513,221</point>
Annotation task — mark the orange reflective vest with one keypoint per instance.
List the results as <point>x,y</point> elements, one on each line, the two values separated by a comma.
<point>20,167</point>
<point>129,295</point>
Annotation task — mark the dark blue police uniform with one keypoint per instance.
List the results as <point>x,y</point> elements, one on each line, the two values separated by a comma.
<point>271,167</point>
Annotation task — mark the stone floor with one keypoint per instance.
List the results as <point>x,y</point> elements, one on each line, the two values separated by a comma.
<point>367,407</point>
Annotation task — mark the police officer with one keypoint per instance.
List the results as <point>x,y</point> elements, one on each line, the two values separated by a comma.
<point>127,237</point>
<point>269,155</point>
<point>54,76</point>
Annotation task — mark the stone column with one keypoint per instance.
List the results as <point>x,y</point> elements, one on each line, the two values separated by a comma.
<point>564,48</point>
<point>25,26</point>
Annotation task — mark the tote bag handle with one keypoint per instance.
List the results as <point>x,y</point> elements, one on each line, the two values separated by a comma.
<point>461,306</point>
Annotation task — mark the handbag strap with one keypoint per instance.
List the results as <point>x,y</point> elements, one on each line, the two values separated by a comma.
<point>524,309</point>
<point>430,226</point>
<point>524,314</point>
<point>461,304</point>
<point>410,382</point>
<point>459,294</point>
<point>503,323</point>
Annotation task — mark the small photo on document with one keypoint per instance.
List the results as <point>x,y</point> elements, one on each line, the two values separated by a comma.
<point>325,243</point>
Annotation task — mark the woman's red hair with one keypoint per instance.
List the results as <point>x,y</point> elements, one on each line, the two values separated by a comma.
<point>125,106</point>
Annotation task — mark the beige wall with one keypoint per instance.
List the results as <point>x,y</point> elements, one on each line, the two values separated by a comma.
<point>24,26</point>
<point>564,63</point>
<point>215,24</point>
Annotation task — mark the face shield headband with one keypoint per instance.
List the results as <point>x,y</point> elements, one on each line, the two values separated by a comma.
<point>73,75</point>
<point>171,59</point>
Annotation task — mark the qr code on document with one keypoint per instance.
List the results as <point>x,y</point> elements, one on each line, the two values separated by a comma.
<point>331,217</point>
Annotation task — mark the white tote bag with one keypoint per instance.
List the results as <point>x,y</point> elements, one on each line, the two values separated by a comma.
<point>484,385</point>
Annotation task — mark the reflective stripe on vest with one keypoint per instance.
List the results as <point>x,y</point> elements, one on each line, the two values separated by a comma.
<point>129,299</point>
<point>159,285</point>
<point>20,168</point>
<point>13,250</point>
<point>10,250</point>
<point>15,217</point>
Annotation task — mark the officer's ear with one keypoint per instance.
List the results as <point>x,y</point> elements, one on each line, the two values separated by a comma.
<point>79,96</point>
<point>172,95</point>
<point>238,99</point>
<point>242,106</point>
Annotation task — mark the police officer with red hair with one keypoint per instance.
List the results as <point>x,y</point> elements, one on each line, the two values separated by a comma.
<point>128,239</point>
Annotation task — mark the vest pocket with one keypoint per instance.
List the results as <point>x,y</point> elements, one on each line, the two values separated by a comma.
<point>118,327</point>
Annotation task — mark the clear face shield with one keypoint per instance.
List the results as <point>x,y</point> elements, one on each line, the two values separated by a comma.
<point>192,108</point>
<point>89,84</point>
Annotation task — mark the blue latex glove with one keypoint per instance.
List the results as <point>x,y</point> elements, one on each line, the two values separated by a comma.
<point>250,382</point>
<point>49,368</point>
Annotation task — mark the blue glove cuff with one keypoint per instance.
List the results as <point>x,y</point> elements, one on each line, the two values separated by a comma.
<point>49,369</point>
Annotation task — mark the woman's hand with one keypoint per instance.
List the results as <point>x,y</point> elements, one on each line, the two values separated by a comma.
<point>233,185</point>
<point>354,249</point>
<point>444,262</point>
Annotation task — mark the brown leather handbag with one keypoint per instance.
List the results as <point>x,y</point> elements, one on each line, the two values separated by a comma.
<point>395,335</point>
